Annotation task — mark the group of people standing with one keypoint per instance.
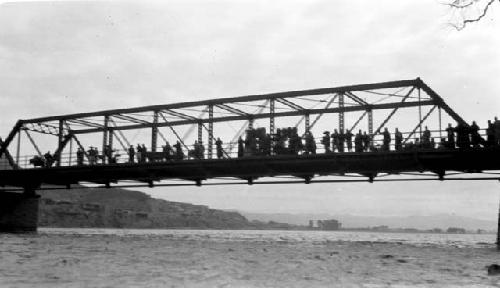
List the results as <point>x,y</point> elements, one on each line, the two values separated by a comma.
<point>287,141</point>
<point>93,155</point>
<point>169,152</point>
<point>466,136</point>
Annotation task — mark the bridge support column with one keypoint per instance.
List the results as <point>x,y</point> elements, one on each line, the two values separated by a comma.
<point>498,229</point>
<point>19,211</point>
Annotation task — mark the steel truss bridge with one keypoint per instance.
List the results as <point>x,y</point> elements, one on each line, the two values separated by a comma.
<point>410,105</point>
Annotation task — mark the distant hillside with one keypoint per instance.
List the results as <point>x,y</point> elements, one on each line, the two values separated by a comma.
<point>84,207</point>
<point>350,221</point>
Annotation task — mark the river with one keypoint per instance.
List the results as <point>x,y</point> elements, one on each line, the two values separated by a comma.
<point>56,257</point>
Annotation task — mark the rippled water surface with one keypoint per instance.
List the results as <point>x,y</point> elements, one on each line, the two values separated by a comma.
<point>239,258</point>
<point>455,240</point>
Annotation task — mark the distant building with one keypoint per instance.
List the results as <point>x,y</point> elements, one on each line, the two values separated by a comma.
<point>330,224</point>
<point>455,230</point>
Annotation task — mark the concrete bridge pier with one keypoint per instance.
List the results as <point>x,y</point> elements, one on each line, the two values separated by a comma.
<point>19,211</point>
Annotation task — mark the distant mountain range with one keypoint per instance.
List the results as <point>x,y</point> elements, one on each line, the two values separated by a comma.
<point>442,221</point>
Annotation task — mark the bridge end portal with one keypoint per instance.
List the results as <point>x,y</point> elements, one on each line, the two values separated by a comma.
<point>19,211</point>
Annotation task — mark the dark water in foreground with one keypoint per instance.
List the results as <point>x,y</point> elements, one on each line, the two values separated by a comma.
<point>235,258</point>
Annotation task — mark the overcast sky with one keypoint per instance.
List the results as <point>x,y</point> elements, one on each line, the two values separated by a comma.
<point>67,57</point>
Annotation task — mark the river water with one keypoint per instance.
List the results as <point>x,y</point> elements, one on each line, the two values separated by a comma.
<point>239,258</point>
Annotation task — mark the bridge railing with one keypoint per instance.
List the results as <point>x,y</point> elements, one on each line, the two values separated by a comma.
<point>121,156</point>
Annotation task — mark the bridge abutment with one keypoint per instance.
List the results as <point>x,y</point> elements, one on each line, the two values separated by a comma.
<point>19,211</point>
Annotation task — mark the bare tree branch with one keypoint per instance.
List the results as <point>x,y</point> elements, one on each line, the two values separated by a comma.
<point>465,5</point>
<point>458,4</point>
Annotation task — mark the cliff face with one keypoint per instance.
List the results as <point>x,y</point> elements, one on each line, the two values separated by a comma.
<point>84,207</point>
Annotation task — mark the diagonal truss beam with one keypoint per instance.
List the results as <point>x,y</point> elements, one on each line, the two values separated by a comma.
<point>120,133</point>
<point>356,98</point>
<point>232,109</point>
<point>359,120</point>
<point>179,114</point>
<point>9,158</point>
<point>130,119</point>
<point>440,102</point>
<point>57,153</point>
<point>289,104</point>
<point>86,123</point>
<point>32,142</point>
<point>10,137</point>
<point>393,112</point>
<point>81,147</point>
<point>318,116</point>
<point>173,130</point>
<point>420,124</point>
<point>113,134</point>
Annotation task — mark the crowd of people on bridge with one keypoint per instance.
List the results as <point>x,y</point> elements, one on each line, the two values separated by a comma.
<point>287,141</point>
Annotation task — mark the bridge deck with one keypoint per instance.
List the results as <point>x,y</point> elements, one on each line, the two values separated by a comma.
<point>306,166</point>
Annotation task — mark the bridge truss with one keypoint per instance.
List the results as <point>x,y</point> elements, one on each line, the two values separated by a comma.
<point>409,105</point>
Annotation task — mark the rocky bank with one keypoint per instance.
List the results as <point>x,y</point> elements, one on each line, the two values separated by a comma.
<point>119,208</point>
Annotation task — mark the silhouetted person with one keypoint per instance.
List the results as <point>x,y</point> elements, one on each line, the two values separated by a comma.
<point>387,140</point>
<point>335,140</point>
<point>426,138</point>
<point>325,141</point>
<point>179,154</point>
<point>366,141</point>
<point>496,128</point>
<point>279,145</point>
<point>96,155</point>
<point>144,152</point>
<point>398,140</point>
<point>341,141</point>
<point>450,139</point>
<point>49,159</point>
<point>131,154</point>
<point>108,154</point>
<point>201,150</point>
<point>218,148</point>
<point>490,134</point>
<point>139,153</point>
<point>463,140</point>
<point>348,140</point>
<point>295,144</point>
<point>167,152</point>
<point>266,145</point>
<point>310,144</point>
<point>92,156</point>
<point>79,156</point>
<point>475,138</point>
<point>358,142</point>
<point>241,147</point>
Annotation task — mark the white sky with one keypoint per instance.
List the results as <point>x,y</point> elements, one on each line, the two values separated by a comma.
<point>67,57</point>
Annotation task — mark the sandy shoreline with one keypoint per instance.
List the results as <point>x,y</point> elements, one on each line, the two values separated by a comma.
<point>163,261</point>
